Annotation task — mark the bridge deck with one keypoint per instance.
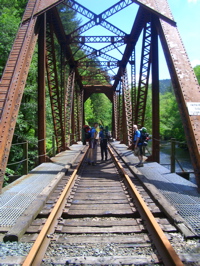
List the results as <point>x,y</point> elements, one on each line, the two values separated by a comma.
<point>178,192</point>
<point>30,192</point>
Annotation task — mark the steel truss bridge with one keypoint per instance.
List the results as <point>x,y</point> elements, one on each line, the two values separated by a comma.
<point>42,25</point>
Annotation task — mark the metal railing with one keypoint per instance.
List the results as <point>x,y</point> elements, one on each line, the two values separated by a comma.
<point>24,162</point>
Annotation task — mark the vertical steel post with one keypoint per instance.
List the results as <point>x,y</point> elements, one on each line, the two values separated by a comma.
<point>53,145</point>
<point>41,90</point>
<point>73,118</point>
<point>173,149</point>
<point>155,96</point>
<point>133,84</point>
<point>25,156</point>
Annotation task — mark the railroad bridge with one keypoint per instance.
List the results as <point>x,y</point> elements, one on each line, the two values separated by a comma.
<point>70,87</point>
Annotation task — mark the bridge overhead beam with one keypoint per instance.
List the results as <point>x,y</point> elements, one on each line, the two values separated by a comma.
<point>98,39</point>
<point>89,90</point>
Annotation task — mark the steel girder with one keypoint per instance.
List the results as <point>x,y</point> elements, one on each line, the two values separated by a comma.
<point>144,76</point>
<point>79,102</point>
<point>115,115</point>
<point>42,90</point>
<point>110,64</point>
<point>186,87</point>
<point>106,89</point>
<point>120,113</point>
<point>133,84</point>
<point>54,89</point>
<point>98,39</point>
<point>127,108</point>
<point>75,126</point>
<point>69,104</point>
<point>13,82</point>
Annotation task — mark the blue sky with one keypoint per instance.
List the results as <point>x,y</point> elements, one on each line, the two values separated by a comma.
<point>185,13</point>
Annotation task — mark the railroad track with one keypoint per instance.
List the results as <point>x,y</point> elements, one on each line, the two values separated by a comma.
<point>96,216</point>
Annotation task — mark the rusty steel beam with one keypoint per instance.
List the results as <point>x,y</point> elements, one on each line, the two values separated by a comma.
<point>77,115</point>
<point>61,36</point>
<point>120,113</point>
<point>140,22</point>
<point>115,115</point>
<point>133,83</point>
<point>69,102</point>
<point>106,89</point>
<point>98,39</point>
<point>155,8</point>
<point>13,82</point>
<point>144,76</point>
<point>127,108</point>
<point>93,53</point>
<point>109,64</point>
<point>155,95</point>
<point>186,87</point>
<point>55,92</point>
<point>41,90</point>
<point>94,18</point>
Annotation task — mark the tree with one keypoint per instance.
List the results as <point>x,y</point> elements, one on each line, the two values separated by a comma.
<point>197,73</point>
<point>101,109</point>
<point>9,22</point>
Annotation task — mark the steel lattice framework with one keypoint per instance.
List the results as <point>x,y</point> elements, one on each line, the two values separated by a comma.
<point>54,89</point>
<point>97,70</point>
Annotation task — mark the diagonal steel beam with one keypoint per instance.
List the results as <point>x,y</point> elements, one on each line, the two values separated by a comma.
<point>185,85</point>
<point>13,82</point>
<point>128,107</point>
<point>140,22</point>
<point>54,91</point>
<point>144,76</point>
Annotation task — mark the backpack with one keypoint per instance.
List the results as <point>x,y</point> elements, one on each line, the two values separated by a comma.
<point>144,136</point>
<point>87,132</point>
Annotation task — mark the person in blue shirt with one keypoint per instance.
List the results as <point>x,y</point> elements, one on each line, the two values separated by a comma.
<point>137,145</point>
<point>91,159</point>
<point>103,136</point>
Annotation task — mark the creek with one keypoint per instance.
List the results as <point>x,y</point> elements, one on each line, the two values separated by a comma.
<point>183,161</point>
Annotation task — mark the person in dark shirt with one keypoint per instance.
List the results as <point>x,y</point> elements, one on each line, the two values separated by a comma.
<point>103,143</point>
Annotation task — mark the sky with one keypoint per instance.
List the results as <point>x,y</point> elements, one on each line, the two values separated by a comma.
<point>185,13</point>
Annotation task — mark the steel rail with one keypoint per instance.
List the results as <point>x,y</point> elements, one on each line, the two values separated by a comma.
<point>39,247</point>
<point>164,247</point>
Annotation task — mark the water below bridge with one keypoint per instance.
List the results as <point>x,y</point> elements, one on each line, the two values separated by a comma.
<point>183,161</point>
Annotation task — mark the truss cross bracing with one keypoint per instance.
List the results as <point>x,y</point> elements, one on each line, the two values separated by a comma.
<point>103,63</point>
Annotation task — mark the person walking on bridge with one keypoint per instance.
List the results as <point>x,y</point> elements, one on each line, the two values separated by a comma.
<point>92,145</point>
<point>137,145</point>
<point>103,136</point>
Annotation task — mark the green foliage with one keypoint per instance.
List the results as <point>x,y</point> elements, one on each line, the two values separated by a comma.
<point>197,73</point>
<point>170,120</point>
<point>98,108</point>
<point>148,112</point>
<point>10,16</point>
<point>6,178</point>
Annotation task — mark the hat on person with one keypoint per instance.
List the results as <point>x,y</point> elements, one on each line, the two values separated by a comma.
<point>144,129</point>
